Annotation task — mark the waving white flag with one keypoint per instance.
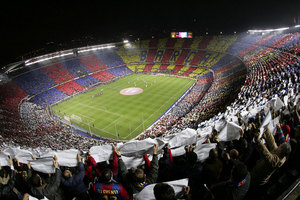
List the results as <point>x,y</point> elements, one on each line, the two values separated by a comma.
<point>44,165</point>
<point>148,193</point>
<point>185,137</point>
<point>140,147</point>
<point>231,131</point>
<point>4,160</point>
<point>101,153</point>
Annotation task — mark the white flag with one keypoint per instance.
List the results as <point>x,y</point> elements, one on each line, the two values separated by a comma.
<point>148,193</point>
<point>44,165</point>
<point>4,160</point>
<point>140,147</point>
<point>185,137</point>
<point>202,150</point>
<point>101,153</point>
<point>231,131</point>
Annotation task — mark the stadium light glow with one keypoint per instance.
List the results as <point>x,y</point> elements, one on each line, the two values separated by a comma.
<point>125,41</point>
<point>41,59</point>
<point>297,26</point>
<point>96,48</point>
<point>268,30</point>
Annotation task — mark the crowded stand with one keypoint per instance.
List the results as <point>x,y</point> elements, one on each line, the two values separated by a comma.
<point>58,73</point>
<point>234,134</point>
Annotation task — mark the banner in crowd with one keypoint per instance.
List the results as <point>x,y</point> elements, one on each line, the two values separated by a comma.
<point>133,151</point>
<point>148,193</point>
<point>231,131</point>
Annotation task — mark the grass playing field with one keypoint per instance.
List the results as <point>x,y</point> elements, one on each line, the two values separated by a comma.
<point>112,113</point>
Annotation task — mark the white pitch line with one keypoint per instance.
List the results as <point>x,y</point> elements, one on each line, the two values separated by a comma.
<point>92,120</point>
<point>92,107</point>
<point>154,112</point>
<point>112,122</point>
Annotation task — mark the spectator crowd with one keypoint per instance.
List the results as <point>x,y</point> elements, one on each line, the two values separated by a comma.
<point>253,138</point>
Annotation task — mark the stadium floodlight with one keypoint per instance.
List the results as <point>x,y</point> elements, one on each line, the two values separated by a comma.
<point>268,30</point>
<point>125,41</point>
<point>96,48</point>
<point>297,26</point>
<point>41,59</point>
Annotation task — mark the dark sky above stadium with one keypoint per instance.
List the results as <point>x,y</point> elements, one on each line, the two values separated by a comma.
<point>28,26</point>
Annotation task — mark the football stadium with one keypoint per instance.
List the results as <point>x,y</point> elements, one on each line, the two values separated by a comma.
<point>196,116</point>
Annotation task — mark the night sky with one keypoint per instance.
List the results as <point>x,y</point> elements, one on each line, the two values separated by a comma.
<point>31,26</point>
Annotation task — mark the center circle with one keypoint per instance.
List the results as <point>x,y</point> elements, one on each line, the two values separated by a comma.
<point>131,91</point>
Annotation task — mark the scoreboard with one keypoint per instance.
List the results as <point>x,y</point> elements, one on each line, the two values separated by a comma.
<point>181,35</point>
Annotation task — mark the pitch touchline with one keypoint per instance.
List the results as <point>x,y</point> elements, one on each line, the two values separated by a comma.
<point>92,120</point>
<point>119,116</point>
<point>155,112</point>
<point>100,109</point>
<point>112,123</point>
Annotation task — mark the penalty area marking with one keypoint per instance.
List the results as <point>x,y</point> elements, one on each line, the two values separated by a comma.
<point>131,91</point>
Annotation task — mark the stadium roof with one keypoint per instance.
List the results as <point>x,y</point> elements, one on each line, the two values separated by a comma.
<point>30,26</point>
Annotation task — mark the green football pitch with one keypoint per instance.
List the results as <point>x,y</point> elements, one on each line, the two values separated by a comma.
<point>111,114</point>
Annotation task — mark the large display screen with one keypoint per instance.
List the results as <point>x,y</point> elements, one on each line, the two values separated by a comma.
<point>181,35</point>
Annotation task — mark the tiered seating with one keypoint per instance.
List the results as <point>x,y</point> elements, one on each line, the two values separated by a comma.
<point>75,67</point>
<point>209,59</point>
<point>242,43</point>
<point>171,43</point>
<point>220,43</point>
<point>130,55</point>
<point>189,71</point>
<point>58,73</point>
<point>176,69</point>
<point>295,39</point>
<point>182,57</point>
<point>167,55</point>
<point>92,63</point>
<point>163,67</point>
<point>11,96</point>
<point>197,58</point>
<point>272,40</point>
<point>179,43</point>
<point>119,71</point>
<point>143,44</point>
<point>151,55</point>
<point>195,42</point>
<point>254,46</point>
<point>199,71</point>
<point>48,97</point>
<point>23,70</point>
<point>148,68</point>
<point>34,82</point>
<point>86,81</point>
<point>70,88</point>
<point>155,68</point>
<point>33,67</point>
<point>187,43</point>
<point>153,43</point>
<point>284,39</point>
<point>137,67</point>
<point>162,43</point>
<point>103,76</point>
<point>170,67</point>
<point>223,62</point>
<point>109,58</point>
<point>204,42</point>
<point>183,70</point>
